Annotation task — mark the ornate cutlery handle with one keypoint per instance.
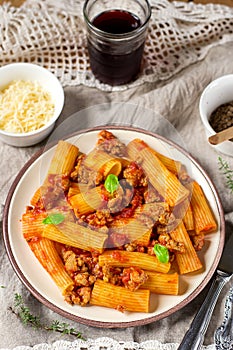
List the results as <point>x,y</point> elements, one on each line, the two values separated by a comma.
<point>224,334</point>
<point>194,337</point>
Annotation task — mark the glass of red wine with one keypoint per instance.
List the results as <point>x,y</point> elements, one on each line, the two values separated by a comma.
<point>116,34</point>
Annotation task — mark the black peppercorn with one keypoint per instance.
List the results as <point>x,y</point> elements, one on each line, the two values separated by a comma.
<point>222,117</point>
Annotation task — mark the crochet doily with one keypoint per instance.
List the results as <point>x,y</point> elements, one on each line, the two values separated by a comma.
<point>52,33</point>
<point>105,344</point>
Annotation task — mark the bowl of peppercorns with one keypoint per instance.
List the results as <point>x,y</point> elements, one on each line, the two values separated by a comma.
<point>216,110</point>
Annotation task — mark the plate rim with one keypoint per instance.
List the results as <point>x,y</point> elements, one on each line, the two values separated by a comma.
<point>107,324</point>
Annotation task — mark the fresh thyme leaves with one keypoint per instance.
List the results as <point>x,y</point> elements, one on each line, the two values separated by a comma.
<point>24,313</point>
<point>224,167</point>
<point>63,328</point>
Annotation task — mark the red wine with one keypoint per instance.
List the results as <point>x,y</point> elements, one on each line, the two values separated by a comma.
<point>116,21</point>
<point>108,65</point>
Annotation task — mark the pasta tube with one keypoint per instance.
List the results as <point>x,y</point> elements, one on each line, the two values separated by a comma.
<point>164,181</point>
<point>103,163</point>
<point>120,298</point>
<point>187,261</point>
<point>49,258</point>
<point>162,283</point>
<point>32,224</point>
<point>88,201</point>
<point>172,165</point>
<point>124,258</point>
<point>64,158</point>
<point>76,236</point>
<point>132,229</point>
<point>36,197</point>
<point>184,212</point>
<point>204,220</point>
<point>73,189</point>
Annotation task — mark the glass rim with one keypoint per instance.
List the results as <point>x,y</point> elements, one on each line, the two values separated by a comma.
<point>118,35</point>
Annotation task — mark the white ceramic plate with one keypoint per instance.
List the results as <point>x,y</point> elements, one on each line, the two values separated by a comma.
<point>39,282</point>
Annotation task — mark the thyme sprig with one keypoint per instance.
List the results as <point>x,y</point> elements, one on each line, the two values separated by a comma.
<point>24,313</point>
<point>224,167</point>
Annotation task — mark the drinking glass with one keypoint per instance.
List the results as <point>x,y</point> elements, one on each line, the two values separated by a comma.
<point>116,34</point>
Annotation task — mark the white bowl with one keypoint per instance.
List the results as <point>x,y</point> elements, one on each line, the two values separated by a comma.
<point>32,72</point>
<point>219,91</point>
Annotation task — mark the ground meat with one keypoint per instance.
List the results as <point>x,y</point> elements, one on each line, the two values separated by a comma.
<point>115,203</point>
<point>135,176</point>
<point>137,199</point>
<point>150,250</point>
<point>109,143</point>
<point>84,279</point>
<point>184,177</point>
<point>80,261</point>
<point>120,308</point>
<point>146,220</point>
<point>198,241</point>
<point>70,261</point>
<point>166,240</point>
<point>112,274</point>
<point>130,247</point>
<point>116,239</point>
<point>133,278</point>
<point>84,269</point>
<point>83,174</point>
<point>54,191</point>
<point>134,247</point>
<point>79,296</point>
<point>121,198</point>
<point>99,219</point>
<point>151,195</point>
<point>153,213</point>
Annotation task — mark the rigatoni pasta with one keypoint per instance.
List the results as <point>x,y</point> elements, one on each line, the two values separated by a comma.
<point>204,220</point>
<point>188,261</point>
<point>164,181</point>
<point>116,297</point>
<point>116,224</point>
<point>162,283</point>
<point>126,259</point>
<point>49,258</point>
<point>76,235</point>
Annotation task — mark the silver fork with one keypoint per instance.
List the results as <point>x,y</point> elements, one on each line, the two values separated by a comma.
<point>224,334</point>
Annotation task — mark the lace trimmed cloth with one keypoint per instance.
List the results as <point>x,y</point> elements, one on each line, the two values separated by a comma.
<point>105,344</point>
<point>52,33</point>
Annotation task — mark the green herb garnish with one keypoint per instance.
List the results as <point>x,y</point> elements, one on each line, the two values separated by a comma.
<point>224,167</point>
<point>161,252</point>
<point>24,313</point>
<point>54,219</point>
<point>111,183</point>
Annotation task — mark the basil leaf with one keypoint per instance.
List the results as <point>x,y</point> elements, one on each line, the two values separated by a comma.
<point>111,183</point>
<point>161,252</point>
<point>54,219</point>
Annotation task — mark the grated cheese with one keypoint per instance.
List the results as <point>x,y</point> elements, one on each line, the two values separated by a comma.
<point>24,106</point>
